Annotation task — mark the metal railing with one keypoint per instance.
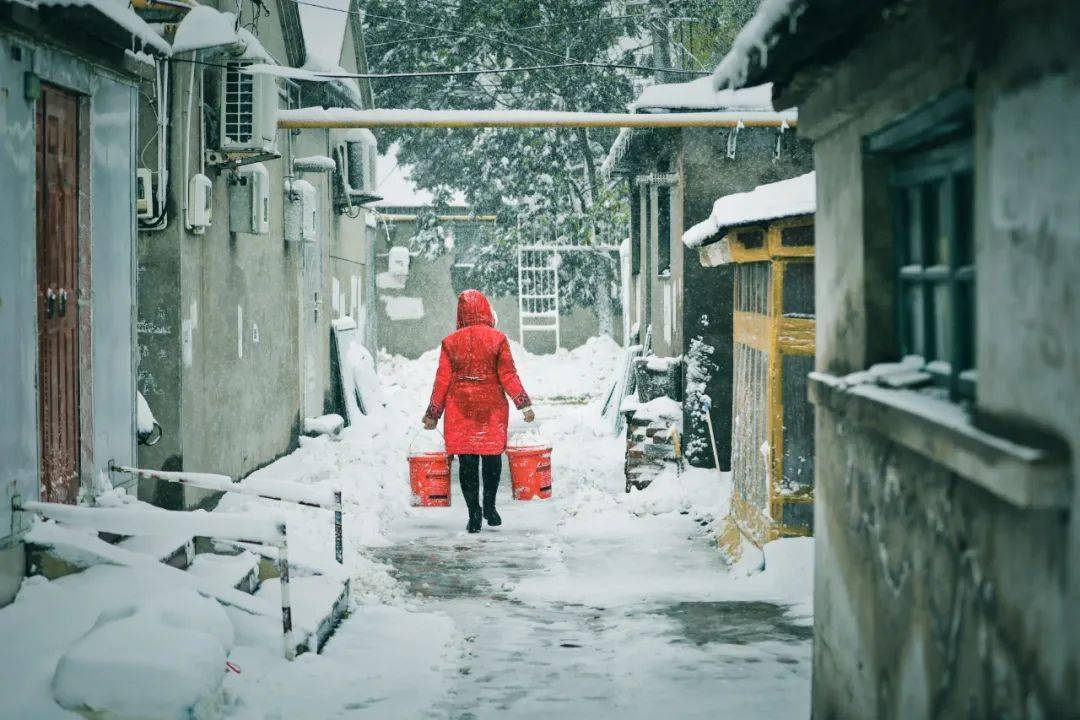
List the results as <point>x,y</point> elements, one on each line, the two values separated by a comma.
<point>274,490</point>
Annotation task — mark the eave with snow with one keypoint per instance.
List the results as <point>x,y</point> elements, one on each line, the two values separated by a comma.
<point>784,199</point>
<point>111,25</point>
<point>694,98</point>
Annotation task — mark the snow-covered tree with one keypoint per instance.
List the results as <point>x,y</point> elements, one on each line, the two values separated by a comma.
<point>542,183</point>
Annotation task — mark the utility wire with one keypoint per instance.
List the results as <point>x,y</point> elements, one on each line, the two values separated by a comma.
<point>528,48</point>
<point>513,29</point>
<point>443,73</point>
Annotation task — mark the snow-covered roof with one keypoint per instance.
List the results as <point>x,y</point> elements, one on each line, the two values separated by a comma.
<point>758,35</point>
<point>700,94</point>
<point>120,13</point>
<point>323,27</point>
<point>204,28</point>
<point>787,198</point>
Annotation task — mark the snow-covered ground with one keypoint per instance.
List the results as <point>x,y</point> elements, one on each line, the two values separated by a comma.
<point>593,604</point>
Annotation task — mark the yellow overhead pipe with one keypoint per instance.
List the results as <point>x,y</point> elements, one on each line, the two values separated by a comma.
<point>343,118</point>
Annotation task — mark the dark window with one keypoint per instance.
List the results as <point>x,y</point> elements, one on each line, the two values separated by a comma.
<point>797,236</point>
<point>751,239</point>
<point>932,196</point>
<point>635,230</point>
<point>663,223</point>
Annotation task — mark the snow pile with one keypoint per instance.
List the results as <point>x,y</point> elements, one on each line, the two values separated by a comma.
<point>204,28</point>
<point>134,641</point>
<point>314,163</point>
<point>787,198</point>
<point>324,425</point>
<point>758,35</point>
<point>162,658</point>
<point>700,94</point>
<point>661,408</point>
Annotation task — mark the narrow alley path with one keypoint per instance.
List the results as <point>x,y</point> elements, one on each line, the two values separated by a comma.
<point>593,604</point>
<point>551,628</point>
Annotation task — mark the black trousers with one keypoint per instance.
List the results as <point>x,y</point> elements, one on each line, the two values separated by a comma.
<point>469,475</point>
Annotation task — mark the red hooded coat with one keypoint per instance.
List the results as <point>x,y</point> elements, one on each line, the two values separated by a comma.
<point>476,373</point>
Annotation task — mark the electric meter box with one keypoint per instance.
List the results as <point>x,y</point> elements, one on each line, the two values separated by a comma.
<point>301,212</point>
<point>200,207</point>
<point>144,194</point>
<point>248,108</point>
<point>249,200</point>
<point>399,261</point>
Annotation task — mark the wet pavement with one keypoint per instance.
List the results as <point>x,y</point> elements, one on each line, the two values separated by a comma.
<point>544,659</point>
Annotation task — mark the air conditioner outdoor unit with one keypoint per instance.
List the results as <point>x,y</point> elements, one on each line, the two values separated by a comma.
<point>248,111</point>
<point>356,168</point>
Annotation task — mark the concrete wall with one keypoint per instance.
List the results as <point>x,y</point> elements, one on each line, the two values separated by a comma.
<point>228,321</point>
<point>106,376</point>
<point>934,598</point>
<point>430,282</point>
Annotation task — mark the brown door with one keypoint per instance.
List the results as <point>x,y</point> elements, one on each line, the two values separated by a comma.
<point>57,288</point>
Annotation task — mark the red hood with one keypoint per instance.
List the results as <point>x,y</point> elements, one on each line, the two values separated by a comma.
<point>474,309</point>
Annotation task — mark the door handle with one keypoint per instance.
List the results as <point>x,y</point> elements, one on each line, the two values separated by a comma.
<point>50,303</point>
<point>63,302</point>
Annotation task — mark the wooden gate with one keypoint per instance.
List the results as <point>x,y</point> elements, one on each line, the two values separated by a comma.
<point>772,430</point>
<point>57,291</point>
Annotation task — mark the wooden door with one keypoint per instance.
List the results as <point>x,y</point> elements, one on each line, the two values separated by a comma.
<point>57,290</point>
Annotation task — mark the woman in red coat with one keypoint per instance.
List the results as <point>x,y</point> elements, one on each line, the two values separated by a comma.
<point>476,373</point>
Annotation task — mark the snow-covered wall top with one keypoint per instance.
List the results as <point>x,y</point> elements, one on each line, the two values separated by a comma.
<point>701,95</point>
<point>787,198</point>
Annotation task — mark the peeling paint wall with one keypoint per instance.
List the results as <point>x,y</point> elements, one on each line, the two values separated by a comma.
<point>934,598</point>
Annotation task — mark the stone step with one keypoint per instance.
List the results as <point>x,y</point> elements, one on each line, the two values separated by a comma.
<point>240,571</point>
<point>319,603</point>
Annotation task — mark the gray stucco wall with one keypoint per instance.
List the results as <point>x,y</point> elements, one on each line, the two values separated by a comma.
<point>110,129</point>
<point>225,320</point>
<point>218,326</point>
<point>932,597</point>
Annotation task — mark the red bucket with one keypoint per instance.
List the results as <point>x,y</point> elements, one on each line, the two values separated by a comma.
<point>429,474</point>
<point>530,471</point>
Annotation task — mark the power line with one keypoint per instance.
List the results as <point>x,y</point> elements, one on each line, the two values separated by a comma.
<point>527,48</point>
<point>515,28</point>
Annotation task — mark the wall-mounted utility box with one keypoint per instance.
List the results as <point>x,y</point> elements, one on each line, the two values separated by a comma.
<point>301,212</point>
<point>399,261</point>
<point>144,194</point>
<point>249,200</point>
<point>200,207</point>
<point>247,111</point>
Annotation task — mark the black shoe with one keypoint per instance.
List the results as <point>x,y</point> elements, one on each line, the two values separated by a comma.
<point>474,522</point>
<point>491,515</point>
